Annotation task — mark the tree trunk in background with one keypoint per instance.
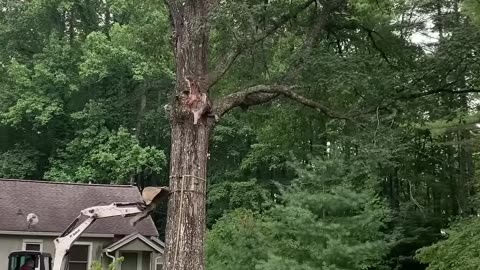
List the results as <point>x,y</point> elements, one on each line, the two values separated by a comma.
<point>451,174</point>
<point>107,18</point>
<point>71,26</point>
<point>393,189</point>
<point>138,131</point>
<point>186,220</point>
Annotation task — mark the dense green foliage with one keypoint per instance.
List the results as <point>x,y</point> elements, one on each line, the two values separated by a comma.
<point>322,222</point>
<point>71,86</point>
<point>459,251</point>
<point>84,86</point>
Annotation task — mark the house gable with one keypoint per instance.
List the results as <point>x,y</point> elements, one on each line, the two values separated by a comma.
<point>136,245</point>
<point>135,242</point>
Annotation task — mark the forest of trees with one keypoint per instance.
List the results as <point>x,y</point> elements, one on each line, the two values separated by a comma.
<point>344,133</point>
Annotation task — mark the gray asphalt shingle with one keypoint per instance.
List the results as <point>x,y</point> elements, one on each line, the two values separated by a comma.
<point>58,204</point>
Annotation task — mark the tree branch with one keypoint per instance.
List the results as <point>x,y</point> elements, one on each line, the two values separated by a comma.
<point>370,33</point>
<point>227,61</point>
<point>390,105</point>
<point>260,94</point>
<point>439,90</point>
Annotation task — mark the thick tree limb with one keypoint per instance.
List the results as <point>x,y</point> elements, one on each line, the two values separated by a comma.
<point>260,94</point>
<point>227,61</point>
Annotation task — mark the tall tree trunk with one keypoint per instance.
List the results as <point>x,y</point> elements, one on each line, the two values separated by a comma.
<point>451,177</point>
<point>138,130</point>
<point>439,20</point>
<point>185,230</point>
<point>106,27</point>
<point>393,189</point>
<point>71,26</point>
<point>186,221</point>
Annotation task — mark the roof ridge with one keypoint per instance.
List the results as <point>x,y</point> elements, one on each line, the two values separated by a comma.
<point>64,183</point>
<point>129,238</point>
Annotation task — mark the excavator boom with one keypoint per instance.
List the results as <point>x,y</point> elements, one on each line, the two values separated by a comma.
<point>72,233</point>
<point>137,210</point>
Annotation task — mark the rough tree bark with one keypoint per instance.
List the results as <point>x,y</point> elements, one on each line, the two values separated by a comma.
<point>185,230</point>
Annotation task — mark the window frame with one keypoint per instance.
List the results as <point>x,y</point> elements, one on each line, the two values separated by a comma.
<point>32,242</point>
<point>90,249</point>
<point>157,262</point>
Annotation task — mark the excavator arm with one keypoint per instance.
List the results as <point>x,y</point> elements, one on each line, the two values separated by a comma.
<point>73,232</point>
<point>137,210</point>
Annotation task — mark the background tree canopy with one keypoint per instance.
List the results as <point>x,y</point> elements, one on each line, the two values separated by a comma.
<point>367,180</point>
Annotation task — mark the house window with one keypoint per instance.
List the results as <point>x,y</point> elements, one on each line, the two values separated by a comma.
<point>79,257</point>
<point>36,245</point>
<point>158,263</point>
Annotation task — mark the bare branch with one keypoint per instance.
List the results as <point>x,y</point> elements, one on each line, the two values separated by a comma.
<point>370,33</point>
<point>223,66</point>
<point>283,20</point>
<point>226,63</point>
<point>390,105</point>
<point>260,94</point>
<point>438,91</point>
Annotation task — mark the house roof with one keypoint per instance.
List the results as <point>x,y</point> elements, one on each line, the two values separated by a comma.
<point>130,238</point>
<point>57,204</point>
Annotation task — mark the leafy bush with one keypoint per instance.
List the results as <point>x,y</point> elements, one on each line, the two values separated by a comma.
<point>97,265</point>
<point>460,251</point>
